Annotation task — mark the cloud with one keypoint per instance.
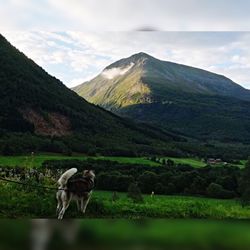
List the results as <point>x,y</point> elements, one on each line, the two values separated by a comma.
<point>77,81</point>
<point>72,55</point>
<point>125,15</point>
<point>114,72</point>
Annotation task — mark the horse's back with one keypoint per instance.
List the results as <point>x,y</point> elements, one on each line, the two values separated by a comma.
<point>78,185</point>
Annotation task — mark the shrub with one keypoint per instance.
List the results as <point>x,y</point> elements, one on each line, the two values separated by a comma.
<point>148,181</point>
<point>159,188</point>
<point>170,189</point>
<point>134,193</point>
<point>245,198</point>
<point>115,196</point>
<point>215,190</point>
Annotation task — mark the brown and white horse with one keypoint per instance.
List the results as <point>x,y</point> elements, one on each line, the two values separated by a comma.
<point>74,187</point>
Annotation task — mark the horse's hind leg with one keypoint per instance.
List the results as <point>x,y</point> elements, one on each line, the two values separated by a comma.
<point>59,203</point>
<point>59,207</point>
<point>66,202</point>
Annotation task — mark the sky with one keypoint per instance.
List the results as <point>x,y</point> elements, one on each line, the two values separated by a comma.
<point>75,39</point>
<point>126,15</point>
<point>75,56</point>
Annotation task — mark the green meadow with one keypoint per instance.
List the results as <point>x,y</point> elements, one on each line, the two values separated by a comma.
<point>23,202</point>
<point>37,160</point>
<point>166,206</point>
<point>195,162</point>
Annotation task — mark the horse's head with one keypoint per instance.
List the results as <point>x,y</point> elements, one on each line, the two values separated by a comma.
<point>89,173</point>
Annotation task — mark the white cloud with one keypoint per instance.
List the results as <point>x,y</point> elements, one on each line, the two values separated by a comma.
<point>81,55</point>
<point>77,81</point>
<point>114,72</point>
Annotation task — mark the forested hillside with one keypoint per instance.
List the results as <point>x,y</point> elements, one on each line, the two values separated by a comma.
<point>39,113</point>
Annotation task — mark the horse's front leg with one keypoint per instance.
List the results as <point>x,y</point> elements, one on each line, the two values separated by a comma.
<point>84,202</point>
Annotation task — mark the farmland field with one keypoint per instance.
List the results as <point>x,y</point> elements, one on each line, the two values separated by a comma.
<point>37,160</point>
<point>198,163</point>
<point>195,162</point>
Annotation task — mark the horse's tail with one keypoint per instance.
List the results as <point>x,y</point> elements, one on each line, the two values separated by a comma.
<point>65,177</point>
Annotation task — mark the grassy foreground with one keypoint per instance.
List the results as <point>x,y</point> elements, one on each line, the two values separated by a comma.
<point>162,206</point>
<point>24,202</point>
<point>102,234</point>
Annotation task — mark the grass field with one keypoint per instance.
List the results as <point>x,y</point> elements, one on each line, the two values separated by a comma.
<point>162,206</point>
<point>196,163</point>
<point>37,160</point>
<point>103,234</point>
<point>19,202</point>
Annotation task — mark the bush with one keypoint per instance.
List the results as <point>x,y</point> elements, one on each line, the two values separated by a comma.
<point>148,181</point>
<point>135,193</point>
<point>159,189</point>
<point>170,189</point>
<point>215,190</point>
<point>245,198</point>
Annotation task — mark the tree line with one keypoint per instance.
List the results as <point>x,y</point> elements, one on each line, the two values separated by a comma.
<point>210,181</point>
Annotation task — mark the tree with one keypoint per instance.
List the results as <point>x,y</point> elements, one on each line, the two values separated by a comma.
<point>215,190</point>
<point>170,189</point>
<point>198,185</point>
<point>148,181</point>
<point>159,188</point>
<point>134,193</point>
<point>245,185</point>
<point>170,163</point>
<point>7,150</point>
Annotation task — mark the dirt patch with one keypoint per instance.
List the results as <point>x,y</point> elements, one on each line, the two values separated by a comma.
<point>53,125</point>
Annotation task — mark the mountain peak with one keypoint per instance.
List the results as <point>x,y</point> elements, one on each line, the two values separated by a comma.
<point>142,78</point>
<point>136,59</point>
<point>189,100</point>
<point>141,54</point>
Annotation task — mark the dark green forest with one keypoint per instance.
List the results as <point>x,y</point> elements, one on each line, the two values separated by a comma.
<point>94,131</point>
<point>26,86</point>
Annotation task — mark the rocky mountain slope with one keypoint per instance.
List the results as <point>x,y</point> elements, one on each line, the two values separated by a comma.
<point>184,99</point>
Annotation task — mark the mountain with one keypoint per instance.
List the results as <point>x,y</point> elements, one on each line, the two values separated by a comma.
<point>180,98</point>
<point>39,113</point>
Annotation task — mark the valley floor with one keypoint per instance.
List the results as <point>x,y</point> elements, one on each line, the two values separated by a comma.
<point>37,160</point>
<point>17,201</point>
